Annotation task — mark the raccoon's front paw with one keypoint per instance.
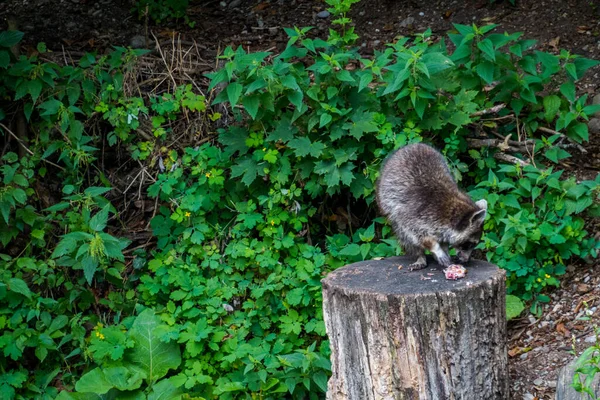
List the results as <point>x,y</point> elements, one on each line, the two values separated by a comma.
<point>419,264</point>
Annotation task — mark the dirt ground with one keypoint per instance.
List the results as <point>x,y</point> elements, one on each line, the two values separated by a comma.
<point>538,348</point>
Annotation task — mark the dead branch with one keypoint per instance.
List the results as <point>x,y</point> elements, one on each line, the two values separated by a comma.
<point>505,145</point>
<point>510,159</point>
<point>491,110</point>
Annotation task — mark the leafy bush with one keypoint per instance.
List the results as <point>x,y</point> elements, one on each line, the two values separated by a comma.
<point>163,10</point>
<point>246,225</point>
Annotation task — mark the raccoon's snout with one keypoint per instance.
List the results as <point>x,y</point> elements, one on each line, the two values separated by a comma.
<point>463,256</point>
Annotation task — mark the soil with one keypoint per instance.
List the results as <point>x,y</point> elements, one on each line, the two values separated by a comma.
<point>538,348</point>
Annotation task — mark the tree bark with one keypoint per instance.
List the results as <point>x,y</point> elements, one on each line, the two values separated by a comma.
<point>397,334</point>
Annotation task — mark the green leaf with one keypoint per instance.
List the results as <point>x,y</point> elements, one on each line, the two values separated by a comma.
<point>248,168</point>
<point>234,91</point>
<point>436,62</point>
<point>514,306</point>
<point>325,119</point>
<point>98,221</point>
<point>154,357</point>
<point>50,107</point>
<point>58,323</point>
<point>320,378</point>
<point>551,107</point>
<point>570,68</point>
<point>365,79</point>
<point>568,90</point>
<point>93,382</point>
<point>302,147</point>
<point>296,98</point>
<point>583,64</point>
<point>19,286</point>
<point>486,71</point>
<point>345,76</point>
<point>165,390</point>
<point>487,47</point>
<point>90,265</point>
<point>4,59</point>
<point>581,130</point>
<point>352,249</point>
<point>251,104</point>
<point>10,38</point>
<point>123,378</point>
<point>35,88</point>
<point>288,81</point>
<point>294,296</point>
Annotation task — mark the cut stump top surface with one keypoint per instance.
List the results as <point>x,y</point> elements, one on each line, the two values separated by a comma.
<point>387,278</point>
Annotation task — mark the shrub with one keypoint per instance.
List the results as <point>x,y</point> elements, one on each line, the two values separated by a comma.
<point>247,224</point>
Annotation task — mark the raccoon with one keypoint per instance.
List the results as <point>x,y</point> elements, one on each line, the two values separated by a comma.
<point>418,195</point>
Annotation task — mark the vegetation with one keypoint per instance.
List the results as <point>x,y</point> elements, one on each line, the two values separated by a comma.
<point>227,304</point>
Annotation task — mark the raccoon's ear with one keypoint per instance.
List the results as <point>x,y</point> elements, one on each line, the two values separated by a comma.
<point>481,204</point>
<point>478,216</point>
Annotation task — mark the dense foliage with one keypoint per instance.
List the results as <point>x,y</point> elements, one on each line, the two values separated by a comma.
<point>227,304</point>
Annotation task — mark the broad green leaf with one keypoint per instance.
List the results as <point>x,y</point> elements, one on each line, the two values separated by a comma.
<point>165,390</point>
<point>98,221</point>
<point>514,307</point>
<point>58,323</point>
<point>35,88</point>
<point>296,98</point>
<point>486,71</point>
<point>325,119</point>
<point>10,38</point>
<point>251,104</point>
<point>580,130</point>
<point>89,265</point>
<point>78,396</point>
<point>365,79</point>
<point>155,358</point>
<point>294,296</point>
<point>436,62</point>
<point>123,378</point>
<point>93,382</point>
<point>320,378</point>
<point>302,147</point>
<point>234,91</point>
<point>583,64</point>
<point>19,286</point>
<point>551,107</point>
<point>248,168</point>
<point>568,90</point>
<point>488,48</point>
<point>50,107</point>
<point>4,59</point>
<point>352,249</point>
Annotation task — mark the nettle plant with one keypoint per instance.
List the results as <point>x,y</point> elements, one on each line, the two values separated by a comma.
<point>322,118</point>
<point>62,270</point>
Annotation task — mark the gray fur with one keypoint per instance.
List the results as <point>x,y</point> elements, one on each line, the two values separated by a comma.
<point>425,207</point>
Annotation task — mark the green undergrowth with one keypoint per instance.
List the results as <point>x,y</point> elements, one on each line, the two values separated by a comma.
<point>227,302</point>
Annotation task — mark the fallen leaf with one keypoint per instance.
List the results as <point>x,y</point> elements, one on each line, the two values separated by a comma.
<point>583,288</point>
<point>554,43</point>
<point>447,14</point>
<point>260,6</point>
<point>560,328</point>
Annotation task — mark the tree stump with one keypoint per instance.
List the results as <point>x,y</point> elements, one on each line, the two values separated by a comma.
<point>399,334</point>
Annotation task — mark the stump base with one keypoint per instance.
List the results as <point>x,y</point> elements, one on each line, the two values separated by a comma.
<point>400,334</point>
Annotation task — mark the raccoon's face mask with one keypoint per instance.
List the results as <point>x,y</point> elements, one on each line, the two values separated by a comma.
<point>473,232</point>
